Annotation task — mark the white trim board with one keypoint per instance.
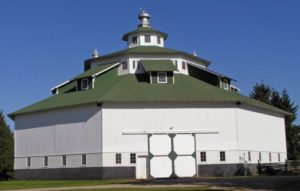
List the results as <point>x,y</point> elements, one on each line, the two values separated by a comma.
<point>195,131</point>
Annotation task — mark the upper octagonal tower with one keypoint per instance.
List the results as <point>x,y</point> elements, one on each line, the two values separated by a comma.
<point>145,35</point>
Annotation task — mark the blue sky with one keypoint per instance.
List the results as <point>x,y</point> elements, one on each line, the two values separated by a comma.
<point>44,43</point>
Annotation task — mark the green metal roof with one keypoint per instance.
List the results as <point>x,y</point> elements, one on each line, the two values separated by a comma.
<point>109,87</point>
<point>93,71</point>
<point>144,30</point>
<point>158,65</point>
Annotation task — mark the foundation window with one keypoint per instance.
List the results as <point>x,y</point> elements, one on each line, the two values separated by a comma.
<point>222,156</point>
<point>203,156</point>
<point>132,158</point>
<point>28,162</point>
<point>45,161</point>
<point>118,158</point>
<point>83,160</point>
<point>64,160</point>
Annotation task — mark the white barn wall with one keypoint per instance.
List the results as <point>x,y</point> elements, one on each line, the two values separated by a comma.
<point>67,131</point>
<point>260,130</point>
<point>119,117</point>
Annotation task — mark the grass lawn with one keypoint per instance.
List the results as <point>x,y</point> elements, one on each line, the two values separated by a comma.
<point>28,184</point>
<point>154,189</point>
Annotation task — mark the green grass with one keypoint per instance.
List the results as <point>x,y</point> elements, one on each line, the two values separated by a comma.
<point>154,189</point>
<point>28,184</point>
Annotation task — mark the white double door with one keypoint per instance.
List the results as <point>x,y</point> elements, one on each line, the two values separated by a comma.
<point>171,155</point>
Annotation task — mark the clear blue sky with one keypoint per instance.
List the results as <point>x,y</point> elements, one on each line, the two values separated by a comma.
<point>44,43</point>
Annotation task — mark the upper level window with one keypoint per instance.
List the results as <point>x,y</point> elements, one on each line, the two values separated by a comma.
<point>134,40</point>
<point>162,77</point>
<point>225,85</point>
<point>222,156</point>
<point>270,157</point>
<point>183,65</point>
<point>259,156</point>
<point>124,66</point>
<point>278,157</point>
<point>147,38</point>
<point>85,84</point>
<point>158,40</point>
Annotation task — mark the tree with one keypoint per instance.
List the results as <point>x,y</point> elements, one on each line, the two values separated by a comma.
<point>6,150</point>
<point>264,93</point>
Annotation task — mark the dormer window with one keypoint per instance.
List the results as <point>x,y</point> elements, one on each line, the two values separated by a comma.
<point>147,38</point>
<point>85,84</point>
<point>183,65</point>
<point>158,39</point>
<point>134,40</point>
<point>124,66</point>
<point>225,84</point>
<point>162,77</point>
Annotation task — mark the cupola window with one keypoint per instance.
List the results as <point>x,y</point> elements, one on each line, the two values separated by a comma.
<point>85,84</point>
<point>162,77</point>
<point>147,38</point>
<point>134,40</point>
<point>158,40</point>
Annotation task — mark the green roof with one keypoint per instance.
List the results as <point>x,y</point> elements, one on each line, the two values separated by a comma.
<point>93,71</point>
<point>109,87</point>
<point>158,65</point>
<point>144,30</point>
<point>149,50</point>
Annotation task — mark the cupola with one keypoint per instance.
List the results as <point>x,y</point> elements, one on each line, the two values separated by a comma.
<point>145,35</point>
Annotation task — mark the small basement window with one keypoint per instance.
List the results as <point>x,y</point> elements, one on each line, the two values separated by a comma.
<point>162,77</point>
<point>222,156</point>
<point>83,160</point>
<point>118,158</point>
<point>85,84</point>
<point>132,158</point>
<point>203,156</point>
<point>45,161</point>
<point>134,40</point>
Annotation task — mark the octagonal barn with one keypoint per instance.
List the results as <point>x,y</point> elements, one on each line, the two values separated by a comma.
<point>146,112</point>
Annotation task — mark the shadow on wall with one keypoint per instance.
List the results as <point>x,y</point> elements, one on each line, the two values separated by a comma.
<point>57,117</point>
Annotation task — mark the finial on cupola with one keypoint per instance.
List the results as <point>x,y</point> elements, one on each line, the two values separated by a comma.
<point>194,53</point>
<point>95,53</point>
<point>144,18</point>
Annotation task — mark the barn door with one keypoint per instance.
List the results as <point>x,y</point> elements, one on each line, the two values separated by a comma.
<point>172,155</point>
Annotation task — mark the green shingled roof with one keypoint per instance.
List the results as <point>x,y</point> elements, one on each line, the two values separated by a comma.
<point>144,30</point>
<point>158,65</point>
<point>131,88</point>
<point>93,71</point>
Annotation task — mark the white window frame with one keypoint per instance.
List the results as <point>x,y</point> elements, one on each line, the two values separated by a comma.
<point>259,156</point>
<point>249,156</point>
<point>87,83</point>
<point>134,64</point>
<point>270,157</point>
<point>183,65</point>
<point>166,78</point>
